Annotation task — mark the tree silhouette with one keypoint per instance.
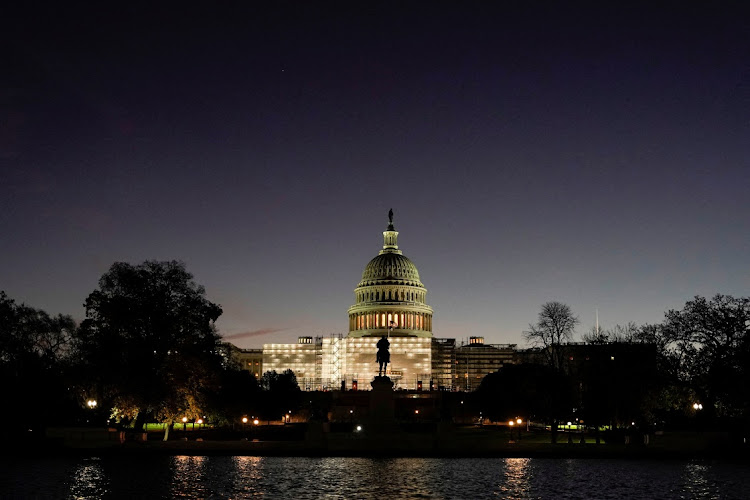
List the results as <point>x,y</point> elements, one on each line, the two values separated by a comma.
<point>34,358</point>
<point>148,343</point>
<point>555,325</point>
<point>711,342</point>
<point>525,390</point>
<point>281,393</point>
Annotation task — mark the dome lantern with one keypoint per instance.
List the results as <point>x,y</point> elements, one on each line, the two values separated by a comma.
<point>390,237</point>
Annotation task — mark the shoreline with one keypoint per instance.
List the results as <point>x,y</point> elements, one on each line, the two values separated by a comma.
<point>381,448</point>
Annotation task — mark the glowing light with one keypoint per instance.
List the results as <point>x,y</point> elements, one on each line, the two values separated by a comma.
<point>256,421</point>
<point>359,428</point>
<point>519,421</point>
<point>510,422</point>
<point>244,420</point>
<point>91,403</point>
<point>184,419</point>
<point>199,421</point>
<point>697,406</point>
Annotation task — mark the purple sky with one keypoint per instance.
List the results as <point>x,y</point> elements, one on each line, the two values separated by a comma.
<point>595,157</point>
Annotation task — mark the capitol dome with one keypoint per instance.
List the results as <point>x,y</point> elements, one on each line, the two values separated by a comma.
<point>390,267</point>
<point>390,299</point>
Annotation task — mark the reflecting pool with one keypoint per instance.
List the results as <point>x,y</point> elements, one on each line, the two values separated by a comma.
<point>217,477</point>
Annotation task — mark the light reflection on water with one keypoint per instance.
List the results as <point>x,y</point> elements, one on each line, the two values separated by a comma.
<point>89,480</point>
<point>516,480</point>
<point>188,477</point>
<point>235,477</point>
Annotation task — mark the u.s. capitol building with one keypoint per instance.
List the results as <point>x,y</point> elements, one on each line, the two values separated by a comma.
<point>390,301</point>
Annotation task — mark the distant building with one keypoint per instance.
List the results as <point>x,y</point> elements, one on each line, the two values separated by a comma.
<point>443,364</point>
<point>248,359</point>
<point>475,360</point>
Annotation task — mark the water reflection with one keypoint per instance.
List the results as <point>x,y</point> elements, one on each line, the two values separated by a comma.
<point>188,477</point>
<point>234,477</point>
<point>516,481</point>
<point>88,480</point>
<point>696,483</point>
<point>247,476</point>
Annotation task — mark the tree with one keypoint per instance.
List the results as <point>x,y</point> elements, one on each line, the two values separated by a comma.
<point>555,325</point>
<point>619,333</point>
<point>527,390</point>
<point>34,355</point>
<point>149,343</point>
<point>710,344</point>
<point>281,393</point>
<point>238,395</point>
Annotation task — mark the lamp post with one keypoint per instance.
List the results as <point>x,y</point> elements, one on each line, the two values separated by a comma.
<point>91,403</point>
<point>697,407</point>
<point>510,430</point>
<point>519,422</point>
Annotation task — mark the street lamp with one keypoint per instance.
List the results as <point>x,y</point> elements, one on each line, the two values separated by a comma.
<point>510,429</point>
<point>91,403</point>
<point>519,422</point>
<point>697,407</point>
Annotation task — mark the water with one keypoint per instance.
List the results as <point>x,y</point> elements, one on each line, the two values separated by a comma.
<point>218,477</point>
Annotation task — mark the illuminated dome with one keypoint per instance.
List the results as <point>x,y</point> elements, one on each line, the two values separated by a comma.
<point>390,299</point>
<point>390,266</point>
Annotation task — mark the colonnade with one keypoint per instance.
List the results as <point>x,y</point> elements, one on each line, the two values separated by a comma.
<point>390,294</point>
<point>404,320</point>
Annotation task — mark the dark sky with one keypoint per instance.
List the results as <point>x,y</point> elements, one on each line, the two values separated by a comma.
<point>595,156</point>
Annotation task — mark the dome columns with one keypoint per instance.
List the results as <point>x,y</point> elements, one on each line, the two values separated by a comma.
<point>378,322</point>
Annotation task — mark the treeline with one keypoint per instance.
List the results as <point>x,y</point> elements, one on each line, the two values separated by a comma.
<point>148,350</point>
<point>691,370</point>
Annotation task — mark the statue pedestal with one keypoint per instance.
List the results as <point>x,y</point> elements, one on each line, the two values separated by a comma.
<point>382,383</point>
<point>382,405</point>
